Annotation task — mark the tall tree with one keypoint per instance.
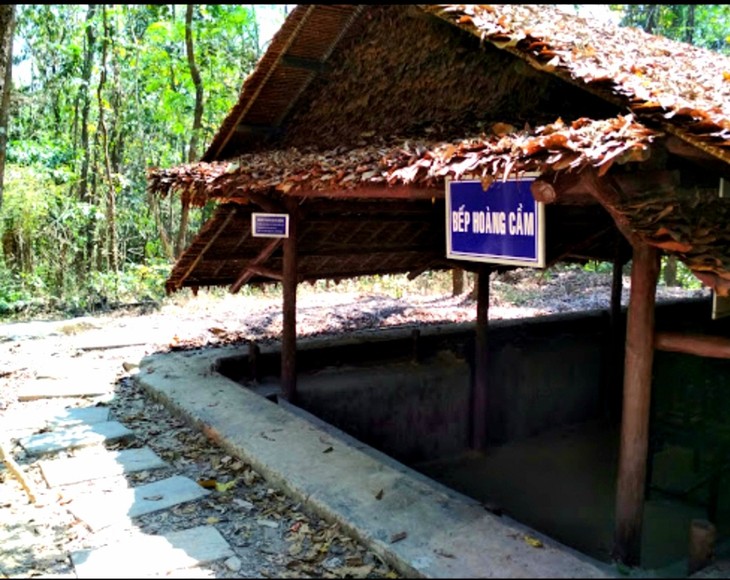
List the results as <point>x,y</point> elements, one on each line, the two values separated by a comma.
<point>197,122</point>
<point>7,29</point>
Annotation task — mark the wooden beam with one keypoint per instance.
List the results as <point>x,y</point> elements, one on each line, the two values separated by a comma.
<point>309,64</point>
<point>608,193</point>
<point>630,485</point>
<point>265,203</point>
<point>696,344</point>
<point>480,399</point>
<point>373,192</point>
<point>265,272</point>
<point>208,244</point>
<point>246,273</point>
<point>257,130</point>
<point>289,330</point>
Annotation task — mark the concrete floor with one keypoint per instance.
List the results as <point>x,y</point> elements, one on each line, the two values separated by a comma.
<point>562,483</point>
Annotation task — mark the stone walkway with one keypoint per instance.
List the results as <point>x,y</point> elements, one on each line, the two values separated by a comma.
<point>94,488</point>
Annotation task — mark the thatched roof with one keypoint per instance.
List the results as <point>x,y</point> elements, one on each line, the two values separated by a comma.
<point>365,103</point>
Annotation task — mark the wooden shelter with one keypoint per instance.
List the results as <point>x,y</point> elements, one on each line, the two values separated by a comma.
<point>356,116</point>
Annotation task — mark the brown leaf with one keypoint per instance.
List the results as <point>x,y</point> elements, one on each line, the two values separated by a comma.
<point>398,537</point>
<point>379,495</point>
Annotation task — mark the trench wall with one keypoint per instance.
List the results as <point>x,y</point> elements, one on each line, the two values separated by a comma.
<point>544,373</point>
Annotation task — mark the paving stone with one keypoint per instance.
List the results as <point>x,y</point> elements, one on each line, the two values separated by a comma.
<point>25,422</point>
<point>45,388</point>
<point>98,465</point>
<point>75,436</point>
<point>100,510</point>
<point>78,416</point>
<point>143,555</point>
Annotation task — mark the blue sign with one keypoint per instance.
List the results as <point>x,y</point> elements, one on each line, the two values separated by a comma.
<point>270,225</point>
<point>502,224</point>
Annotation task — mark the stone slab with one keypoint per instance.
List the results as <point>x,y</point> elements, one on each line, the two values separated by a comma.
<point>59,472</point>
<point>75,436</point>
<point>47,388</point>
<point>144,555</point>
<point>78,416</point>
<point>100,510</point>
<point>25,422</point>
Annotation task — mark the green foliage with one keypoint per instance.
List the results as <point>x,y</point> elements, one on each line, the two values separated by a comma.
<point>55,226</point>
<point>705,25</point>
<point>599,267</point>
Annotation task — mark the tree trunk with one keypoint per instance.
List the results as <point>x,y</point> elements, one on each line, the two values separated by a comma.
<point>111,193</point>
<point>84,262</point>
<point>197,124</point>
<point>670,271</point>
<point>7,29</point>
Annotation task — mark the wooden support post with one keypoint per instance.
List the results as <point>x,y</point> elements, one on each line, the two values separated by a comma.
<point>612,398</point>
<point>480,406</point>
<point>630,484</point>
<point>416,346</point>
<point>254,353</point>
<point>702,536</point>
<point>289,330</point>
<point>457,282</point>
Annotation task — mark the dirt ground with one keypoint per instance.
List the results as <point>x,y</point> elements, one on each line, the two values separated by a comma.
<point>296,544</point>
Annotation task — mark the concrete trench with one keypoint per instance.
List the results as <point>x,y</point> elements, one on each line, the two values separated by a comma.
<point>393,411</point>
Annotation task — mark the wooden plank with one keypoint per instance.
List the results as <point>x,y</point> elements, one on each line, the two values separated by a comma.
<point>289,330</point>
<point>480,402</point>
<point>630,485</point>
<point>696,344</point>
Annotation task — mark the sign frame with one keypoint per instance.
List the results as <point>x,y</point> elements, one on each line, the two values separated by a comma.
<point>268,225</point>
<point>539,219</point>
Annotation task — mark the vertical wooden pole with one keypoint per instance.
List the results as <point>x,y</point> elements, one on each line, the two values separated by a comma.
<point>480,404</point>
<point>702,537</point>
<point>612,398</point>
<point>636,404</point>
<point>289,330</point>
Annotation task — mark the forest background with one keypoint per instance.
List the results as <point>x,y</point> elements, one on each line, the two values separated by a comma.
<point>97,94</point>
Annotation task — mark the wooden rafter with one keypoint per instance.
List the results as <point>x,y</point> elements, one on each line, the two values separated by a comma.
<point>208,244</point>
<point>247,273</point>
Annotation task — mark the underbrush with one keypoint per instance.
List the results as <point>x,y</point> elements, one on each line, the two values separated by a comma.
<point>139,289</point>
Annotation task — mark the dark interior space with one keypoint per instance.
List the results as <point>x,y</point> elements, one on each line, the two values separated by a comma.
<point>551,462</point>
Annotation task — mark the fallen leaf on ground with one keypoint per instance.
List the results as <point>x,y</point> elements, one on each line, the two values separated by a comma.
<point>534,542</point>
<point>223,487</point>
<point>354,572</point>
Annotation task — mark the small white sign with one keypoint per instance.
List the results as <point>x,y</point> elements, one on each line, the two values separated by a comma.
<point>270,225</point>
